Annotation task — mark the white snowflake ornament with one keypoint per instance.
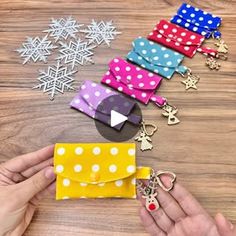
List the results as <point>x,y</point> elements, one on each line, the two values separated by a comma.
<point>55,80</point>
<point>63,28</point>
<point>36,49</point>
<point>100,32</point>
<point>76,52</point>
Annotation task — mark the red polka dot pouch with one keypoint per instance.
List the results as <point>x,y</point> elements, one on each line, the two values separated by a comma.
<point>179,39</point>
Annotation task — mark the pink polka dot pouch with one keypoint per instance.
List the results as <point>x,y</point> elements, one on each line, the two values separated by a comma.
<point>133,81</point>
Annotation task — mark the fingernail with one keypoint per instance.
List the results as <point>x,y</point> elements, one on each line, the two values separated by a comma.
<point>230,225</point>
<point>49,173</point>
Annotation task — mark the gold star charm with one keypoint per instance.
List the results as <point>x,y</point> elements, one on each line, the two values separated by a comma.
<point>191,82</point>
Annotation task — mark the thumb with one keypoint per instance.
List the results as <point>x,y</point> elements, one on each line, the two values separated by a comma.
<point>37,183</point>
<point>224,226</point>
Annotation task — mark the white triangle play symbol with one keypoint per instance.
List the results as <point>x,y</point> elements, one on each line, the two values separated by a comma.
<point>117,118</point>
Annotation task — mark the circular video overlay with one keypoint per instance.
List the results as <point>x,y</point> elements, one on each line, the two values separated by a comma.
<point>117,118</point>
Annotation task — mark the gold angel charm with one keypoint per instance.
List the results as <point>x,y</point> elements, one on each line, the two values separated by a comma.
<point>222,46</point>
<point>170,113</point>
<point>145,137</point>
<point>145,141</point>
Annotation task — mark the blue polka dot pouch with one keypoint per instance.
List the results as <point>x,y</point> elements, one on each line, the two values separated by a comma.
<point>198,21</point>
<point>156,58</point>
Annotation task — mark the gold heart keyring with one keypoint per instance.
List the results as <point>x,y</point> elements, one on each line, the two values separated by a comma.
<point>145,125</point>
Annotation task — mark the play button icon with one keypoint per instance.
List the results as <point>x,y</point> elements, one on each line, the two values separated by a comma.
<point>120,116</point>
<point>117,118</point>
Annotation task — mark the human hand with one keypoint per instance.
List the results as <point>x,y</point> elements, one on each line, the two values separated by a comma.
<point>24,181</point>
<point>180,214</point>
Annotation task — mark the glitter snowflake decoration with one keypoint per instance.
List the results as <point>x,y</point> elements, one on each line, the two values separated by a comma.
<point>76,52</point>
<point>36,49</point>
<point>55,80</point>
<point>63,28</point>
<point>100,32</point>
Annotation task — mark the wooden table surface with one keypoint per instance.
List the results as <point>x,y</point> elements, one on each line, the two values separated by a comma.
<point>200,150</point>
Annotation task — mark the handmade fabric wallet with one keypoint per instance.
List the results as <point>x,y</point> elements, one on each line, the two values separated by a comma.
<point>197,20</point>
<point>97,170</point>
<point>180,39</point>
<point>156,58</point>
<point>133,81</point>
<point>97,102</point>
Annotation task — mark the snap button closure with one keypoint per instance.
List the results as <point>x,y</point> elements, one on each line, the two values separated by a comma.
<point>94,176</point>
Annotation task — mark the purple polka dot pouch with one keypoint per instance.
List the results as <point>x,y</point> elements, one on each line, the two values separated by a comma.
<point>97,101</point>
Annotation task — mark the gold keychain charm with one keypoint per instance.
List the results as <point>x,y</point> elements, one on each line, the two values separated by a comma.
<point>222,46</point>
<point>172,177</point>
<point>222,51</point>
<point>212,63</point>
<point>149,191</point>
<point>191,80</point>
<point>170,113</point>
<point>145,137</point>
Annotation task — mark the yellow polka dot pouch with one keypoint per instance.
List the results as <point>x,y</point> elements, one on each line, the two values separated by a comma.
<point>97,170</point>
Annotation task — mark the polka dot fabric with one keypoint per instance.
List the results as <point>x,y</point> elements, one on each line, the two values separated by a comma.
<point>156,58</point>
<point>179,39</point>
<point>92,94</point>
<point>197,20</point>
<point>96,170</point>
<point>133,81</point>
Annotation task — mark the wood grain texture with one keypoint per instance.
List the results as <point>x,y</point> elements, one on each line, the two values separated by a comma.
<point>201,150</point>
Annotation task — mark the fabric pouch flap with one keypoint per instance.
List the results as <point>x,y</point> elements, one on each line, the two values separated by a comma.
<point>197,20</point>
<point>156,58</point>
<point>133,81</point>
<point>179,39</point>
<point>93,163</point>
<point>92,169</point>
<point>157,54</point>
<point>133,78</point>
<point>178,34</point>
<point>91,95</point>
